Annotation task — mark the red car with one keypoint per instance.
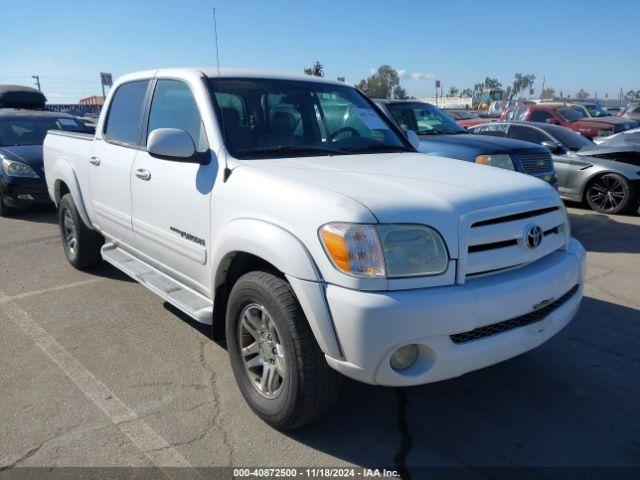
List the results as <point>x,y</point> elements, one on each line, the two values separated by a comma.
<point>467,119</point>
<point>559,114</point>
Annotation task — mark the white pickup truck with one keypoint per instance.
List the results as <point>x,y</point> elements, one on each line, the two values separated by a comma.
<point>290,215</point>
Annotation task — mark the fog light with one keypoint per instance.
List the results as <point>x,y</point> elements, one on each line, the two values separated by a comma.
<point>404,357</point>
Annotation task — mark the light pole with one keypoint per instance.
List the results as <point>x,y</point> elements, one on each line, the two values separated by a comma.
<point>37,79</point>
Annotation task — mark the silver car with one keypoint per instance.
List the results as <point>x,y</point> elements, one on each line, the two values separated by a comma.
<point>606,177</point>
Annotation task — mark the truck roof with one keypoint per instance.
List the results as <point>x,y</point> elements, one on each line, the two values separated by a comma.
<point>213,72</point>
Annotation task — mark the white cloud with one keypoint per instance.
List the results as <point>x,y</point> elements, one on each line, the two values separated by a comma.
<point>402,73</point>
<point>373,70</point>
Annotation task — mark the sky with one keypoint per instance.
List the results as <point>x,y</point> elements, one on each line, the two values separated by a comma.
<point>573,44</point>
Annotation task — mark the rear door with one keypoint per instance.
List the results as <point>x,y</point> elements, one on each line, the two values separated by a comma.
<point>171,199</point>
<point>111,160</point>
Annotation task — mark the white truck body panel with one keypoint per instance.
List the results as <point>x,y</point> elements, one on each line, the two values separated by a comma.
<point>273,209</point>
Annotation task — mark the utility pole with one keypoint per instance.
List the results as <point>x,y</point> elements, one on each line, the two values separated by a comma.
<point>543,82</point>
<point>37,79</point>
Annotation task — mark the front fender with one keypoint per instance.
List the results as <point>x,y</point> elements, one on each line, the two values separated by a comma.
<point>288,254</point>
<point>63,171</point>
<point>267,241</point>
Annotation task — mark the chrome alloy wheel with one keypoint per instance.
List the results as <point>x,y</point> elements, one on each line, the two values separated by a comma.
<point>607,193</point>
<point>261,351</point>
<point>70,232</point>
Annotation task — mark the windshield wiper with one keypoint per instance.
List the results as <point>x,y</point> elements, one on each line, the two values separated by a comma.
<point>293,149</point>
<point>379,147</point>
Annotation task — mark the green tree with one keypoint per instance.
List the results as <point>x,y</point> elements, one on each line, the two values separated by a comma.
<point>548,93</point>
<point>582,94</point>
<point>384,83</point>
<point>453,91</point>
<point>522,83</point>
<point>466,93</point>
<point>491,83</point>
<point>631,95</point>
<point>317,70</point>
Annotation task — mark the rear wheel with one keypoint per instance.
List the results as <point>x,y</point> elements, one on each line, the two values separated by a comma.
<point>276,360</point>
<point>610,193</point>
<point>81,244</point>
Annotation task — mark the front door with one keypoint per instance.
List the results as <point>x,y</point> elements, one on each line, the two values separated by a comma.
<point>171,199</point>
<point>111,159</point>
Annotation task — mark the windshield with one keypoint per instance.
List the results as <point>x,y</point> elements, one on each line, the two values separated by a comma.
<point>423,118</point>
<point>571,114</point>
<point>597,111</point>
<point>266,118</point>
<point>570,139</point>
<point>16,131</point>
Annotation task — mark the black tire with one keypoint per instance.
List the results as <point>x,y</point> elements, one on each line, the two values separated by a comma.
<point>5,211</point>
<point>84,251</point>
<point>610,193</point>
<point>310,387</point>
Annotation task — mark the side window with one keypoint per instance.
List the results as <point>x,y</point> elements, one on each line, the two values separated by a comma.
<point>124,119</point>
<point>540,116</point>
<point>527,134</point>
<point>173,106</point>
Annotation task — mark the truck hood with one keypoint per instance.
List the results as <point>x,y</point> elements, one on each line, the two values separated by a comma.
<point>29,154</point>
<point>485,143</point>
<point>410,187</point>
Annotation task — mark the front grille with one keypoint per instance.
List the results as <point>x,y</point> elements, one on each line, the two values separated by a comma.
<point>535,163</point>
<point>521,321</point>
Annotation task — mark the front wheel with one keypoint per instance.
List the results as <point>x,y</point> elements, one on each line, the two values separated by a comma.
<point>81,244</point>
<point>277,363</point>
<point>610,193</point>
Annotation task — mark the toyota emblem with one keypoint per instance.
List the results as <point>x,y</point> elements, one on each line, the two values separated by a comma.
<point>533,236</point>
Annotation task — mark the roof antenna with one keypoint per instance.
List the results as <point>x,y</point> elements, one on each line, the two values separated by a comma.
<point>215,31</point>
<point>227,170</point>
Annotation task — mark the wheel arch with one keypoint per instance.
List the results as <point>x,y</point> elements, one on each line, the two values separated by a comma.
<point>67,182</point>
<point>248,245</point>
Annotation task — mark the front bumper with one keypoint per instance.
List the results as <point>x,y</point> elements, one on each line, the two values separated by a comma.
<point>372,325</point>
<point>24,191</point>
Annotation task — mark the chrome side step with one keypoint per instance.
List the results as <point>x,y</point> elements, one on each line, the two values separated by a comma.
<point>197,306</point>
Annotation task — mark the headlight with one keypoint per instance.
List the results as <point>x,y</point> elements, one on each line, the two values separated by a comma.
<point>500,161</point>
<point>18,169</point>
<point>379,251</point>
<point>604,133</point>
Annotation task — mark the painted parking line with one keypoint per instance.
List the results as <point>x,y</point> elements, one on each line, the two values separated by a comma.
<point>147,440</point>
<point>57,288</point>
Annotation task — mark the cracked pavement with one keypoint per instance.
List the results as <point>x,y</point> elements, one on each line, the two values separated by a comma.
<point>571,402</point>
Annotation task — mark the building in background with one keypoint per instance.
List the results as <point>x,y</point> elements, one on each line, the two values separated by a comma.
<point>92,100</point>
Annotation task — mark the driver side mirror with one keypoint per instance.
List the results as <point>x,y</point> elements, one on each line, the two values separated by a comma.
<point>553,147</point>
<point>172,144</point>
<point>413,138</point>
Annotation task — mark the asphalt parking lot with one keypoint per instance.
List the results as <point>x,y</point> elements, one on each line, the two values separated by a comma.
<point>97,371</point>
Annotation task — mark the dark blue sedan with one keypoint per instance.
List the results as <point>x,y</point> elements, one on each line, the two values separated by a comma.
<point>22,180</point>
<point>440,135</point>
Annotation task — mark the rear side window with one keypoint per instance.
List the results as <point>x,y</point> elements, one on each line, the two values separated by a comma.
<point>173,106</point>
<point>540,116</point>
<point>124,119</point>
<point>527,134</point>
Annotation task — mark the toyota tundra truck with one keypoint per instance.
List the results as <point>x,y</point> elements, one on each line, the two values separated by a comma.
<point>302,225</point>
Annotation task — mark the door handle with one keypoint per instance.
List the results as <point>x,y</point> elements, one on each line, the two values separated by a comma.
<point>94,161</point>
<point>143,174</point>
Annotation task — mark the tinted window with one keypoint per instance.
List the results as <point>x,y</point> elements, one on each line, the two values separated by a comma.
<point>173,106</point>
<point>570,139</point>
<point>265,118</point>
<point>124,119</point>
<point>540,116</point>
<point>422,118</point>
<point>571,114</point>
<point>32,130</point>
<point>527,134</point>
